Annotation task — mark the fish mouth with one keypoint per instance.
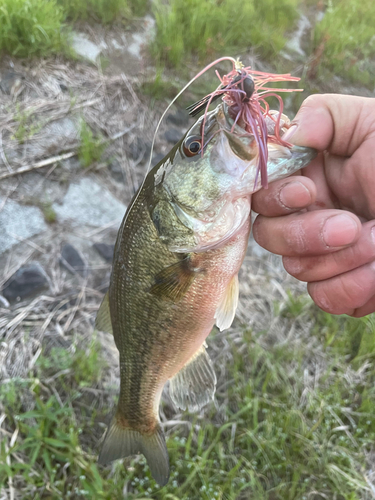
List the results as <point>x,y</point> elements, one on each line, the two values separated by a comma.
<point>302,155</point>
<point>241,142</point>
<point>244,146</point>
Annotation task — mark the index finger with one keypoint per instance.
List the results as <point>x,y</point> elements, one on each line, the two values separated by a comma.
<point>284,196</point>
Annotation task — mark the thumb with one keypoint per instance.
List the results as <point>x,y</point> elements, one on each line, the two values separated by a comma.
<point>333,122</point>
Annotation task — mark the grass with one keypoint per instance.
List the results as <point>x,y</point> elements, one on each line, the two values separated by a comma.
<point>91,146</point>
<point>49,213</point>
<point>31,27</point>
<point>157,87</point>
<point>208,27</point>
<point>104,11</point>
<point>38,28</point>
<point>347,35</point>
<point>290,423</point>
<point>26,125</point>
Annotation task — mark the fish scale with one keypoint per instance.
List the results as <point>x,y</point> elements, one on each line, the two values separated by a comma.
<point>176,261</point>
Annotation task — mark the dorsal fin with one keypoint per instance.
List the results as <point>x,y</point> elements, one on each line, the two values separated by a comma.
<point>103,318</point>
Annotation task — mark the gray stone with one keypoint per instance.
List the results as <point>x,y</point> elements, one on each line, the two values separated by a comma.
<point>19,222</point>
<point>65,129</point>
<point>156,159</point>
<point>63,86</point>
<point>139,149</point>
<point>25,282</point>
<point>72,260</point>
<point>105,250</point>
<point>11,83</point>
<point>85,47</point>
<point>141,39</point>
<point>87,203</point>
<point>294,44</point>
<point>52,138</point>
<point>173,135</point>
<point>179,118</point>
<point>117,171</point>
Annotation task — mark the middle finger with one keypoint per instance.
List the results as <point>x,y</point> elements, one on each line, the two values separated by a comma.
<point>308,233</point>
<point>322,267</point>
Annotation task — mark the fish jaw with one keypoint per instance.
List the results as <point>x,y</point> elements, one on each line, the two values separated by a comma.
<point>283,165</point>
<point>238,177</point>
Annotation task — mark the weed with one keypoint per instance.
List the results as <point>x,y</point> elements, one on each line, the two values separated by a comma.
<point>207,27</point>
<point>37,28</point>
<point>346,34</point>
<point>31,27</point>
<point>139,7</point>
<point>159,88</point>
<point>285,430</point>
<point>26,126</point>
<point>48,212</point>
<point>91,146</point>
<point>103,11</point>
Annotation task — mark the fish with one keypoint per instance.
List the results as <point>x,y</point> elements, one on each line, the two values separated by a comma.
<point>175,275</point>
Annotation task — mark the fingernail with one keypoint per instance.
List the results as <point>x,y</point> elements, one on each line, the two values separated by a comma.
<point>339,230</point>
<point>295,195</point>
<point>289,133</point>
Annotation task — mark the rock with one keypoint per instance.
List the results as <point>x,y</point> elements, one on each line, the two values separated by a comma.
<point>156,159</point>
<point>87,203</point>
<point>116,170</point>
<point>63,86</point>
<point>294,44</point>
<point>139,149</point>
<point>25,282</point>
<point>85,47</point>
<point>72,260</point>
<point>179,118</point>
<point>18,222</point>
<point>141,39</point>
<point>54,137</point>
<point>105,250</point>
<point>173,135</point>
<point>12,83</point>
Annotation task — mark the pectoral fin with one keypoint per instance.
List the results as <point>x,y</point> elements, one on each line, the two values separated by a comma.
<point>194,385</point>
<point>226,310</point>
<point>103,318</point>
<point>174,281</point>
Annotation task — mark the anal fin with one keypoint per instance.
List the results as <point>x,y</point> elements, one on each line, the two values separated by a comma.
<point>103,318</point>
<point>226,309</point>
<point>194,385</point>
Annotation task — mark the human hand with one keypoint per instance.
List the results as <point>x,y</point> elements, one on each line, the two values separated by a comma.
<point>322,220</point>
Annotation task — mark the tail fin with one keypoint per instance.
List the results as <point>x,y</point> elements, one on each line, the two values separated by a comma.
<point>120,443</point>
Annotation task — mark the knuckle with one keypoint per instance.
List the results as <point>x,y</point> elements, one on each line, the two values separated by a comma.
<point>257,229</point>
<point>295,236</point>
<point>353,291</point>
<point>294,266</point>
<point>260,202</point>
<point>318,293</point>
<point>311,101</point>
<point>303,268</point>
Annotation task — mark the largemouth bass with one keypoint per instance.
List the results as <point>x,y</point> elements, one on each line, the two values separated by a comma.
<point>176,262</point>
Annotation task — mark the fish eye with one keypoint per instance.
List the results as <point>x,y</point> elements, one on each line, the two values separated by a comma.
<point>192,145</point>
